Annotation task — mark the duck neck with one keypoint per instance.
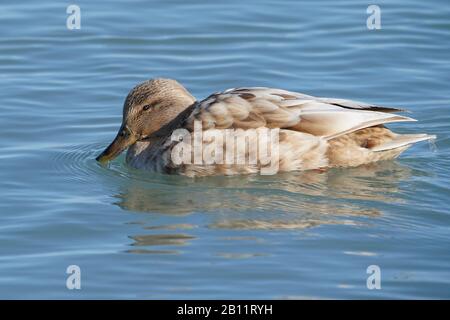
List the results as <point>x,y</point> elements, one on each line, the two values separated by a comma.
<point>176,123</point>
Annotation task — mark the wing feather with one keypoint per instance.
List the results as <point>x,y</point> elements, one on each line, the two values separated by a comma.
<point>276,108</point>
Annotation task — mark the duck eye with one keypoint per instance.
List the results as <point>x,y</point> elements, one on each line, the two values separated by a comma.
<point>146,107</point>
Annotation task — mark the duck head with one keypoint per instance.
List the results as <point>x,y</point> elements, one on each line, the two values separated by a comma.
<point>148,107</point>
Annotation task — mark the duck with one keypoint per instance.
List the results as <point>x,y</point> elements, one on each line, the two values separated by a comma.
<point>161,120</point>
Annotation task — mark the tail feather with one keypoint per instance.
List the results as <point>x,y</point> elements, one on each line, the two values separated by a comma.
<point>402,140</point>
<point>332,118</point>
<point>372,119</point>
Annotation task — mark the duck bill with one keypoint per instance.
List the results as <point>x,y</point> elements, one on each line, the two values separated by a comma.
<point>123,140</point>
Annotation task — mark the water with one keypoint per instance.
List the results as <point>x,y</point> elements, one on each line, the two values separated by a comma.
<point>141,235</point>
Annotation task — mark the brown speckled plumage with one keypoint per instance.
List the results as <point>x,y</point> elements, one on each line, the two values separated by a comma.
<point>314,132</point>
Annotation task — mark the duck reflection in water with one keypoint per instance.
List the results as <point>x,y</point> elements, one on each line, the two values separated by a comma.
<point>281,202</point>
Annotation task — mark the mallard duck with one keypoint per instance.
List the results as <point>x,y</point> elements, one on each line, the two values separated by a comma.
<point>312,132</point>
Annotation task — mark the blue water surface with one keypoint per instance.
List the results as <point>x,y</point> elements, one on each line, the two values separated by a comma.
<point>137,235</point>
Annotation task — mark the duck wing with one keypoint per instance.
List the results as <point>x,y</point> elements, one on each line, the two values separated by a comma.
<point>256,107</point>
